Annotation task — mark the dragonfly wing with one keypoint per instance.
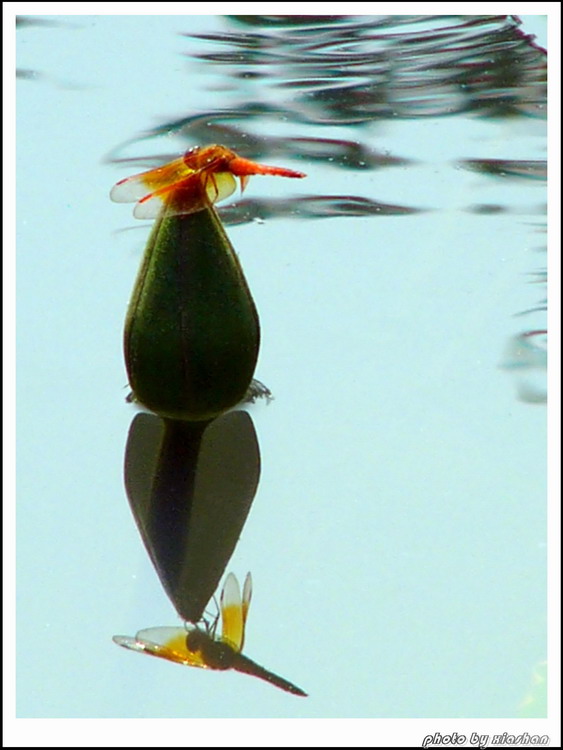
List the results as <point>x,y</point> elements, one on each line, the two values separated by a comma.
<point>146,647</point>
<point>219,185</point>
<point>150,206</point>
<point>129,190</point>
<point>246,665</point>
<point>164,642</point>
<point>232,613</point>
<point>186,196</point>
<point>132,189</point>
<point>246,597</point>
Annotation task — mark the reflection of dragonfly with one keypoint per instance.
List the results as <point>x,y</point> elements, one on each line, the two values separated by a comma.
<point>203,175</point>
<point>202,648</point>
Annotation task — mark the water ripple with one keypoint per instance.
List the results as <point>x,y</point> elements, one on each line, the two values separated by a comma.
<point>353,71</point>
<point>311,207</point>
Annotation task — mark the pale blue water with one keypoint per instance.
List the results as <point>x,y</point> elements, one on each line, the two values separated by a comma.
<point>397,538</point>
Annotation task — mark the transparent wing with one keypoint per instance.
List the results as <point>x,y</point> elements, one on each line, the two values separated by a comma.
<point>232,613</point>
<point>164,642</point>
<point>132,189</point>
<point>246,597</point>
<point>186,196</point>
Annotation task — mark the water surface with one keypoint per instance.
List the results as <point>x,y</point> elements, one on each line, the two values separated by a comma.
<point>397,538</point>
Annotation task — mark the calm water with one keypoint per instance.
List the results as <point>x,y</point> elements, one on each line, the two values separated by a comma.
<point>397,536</point>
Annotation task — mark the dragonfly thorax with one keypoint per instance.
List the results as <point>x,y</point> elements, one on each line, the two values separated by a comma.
<point>201,157</point>
<point>215,654</point>
<point>195,639</point>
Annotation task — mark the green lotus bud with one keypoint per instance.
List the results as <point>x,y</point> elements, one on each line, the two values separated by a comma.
<point>192,332</point>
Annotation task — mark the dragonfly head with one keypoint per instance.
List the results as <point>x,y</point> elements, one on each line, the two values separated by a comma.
<point>214,158</point>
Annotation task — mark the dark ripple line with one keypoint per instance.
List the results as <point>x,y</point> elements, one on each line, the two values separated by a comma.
<point>311,207</point>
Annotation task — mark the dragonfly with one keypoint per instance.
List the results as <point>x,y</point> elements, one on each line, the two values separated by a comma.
<point>201,176</point>
<point>195,646</point>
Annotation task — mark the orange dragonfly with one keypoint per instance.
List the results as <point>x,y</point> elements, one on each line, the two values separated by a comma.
<point>197,647</point>
<point>203,175</point>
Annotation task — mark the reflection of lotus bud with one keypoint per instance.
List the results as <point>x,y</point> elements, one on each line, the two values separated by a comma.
<point>192,332</point>
<point>191,487</point>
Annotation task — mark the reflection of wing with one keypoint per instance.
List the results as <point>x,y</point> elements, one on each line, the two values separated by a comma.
<point>232,613</point>
<point>246,597</point>
<point>164,642</point>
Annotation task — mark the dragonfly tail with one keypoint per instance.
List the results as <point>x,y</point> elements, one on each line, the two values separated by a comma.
<point>246,665</point>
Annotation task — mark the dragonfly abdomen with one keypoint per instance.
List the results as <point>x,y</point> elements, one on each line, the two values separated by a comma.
<point>244,664</point>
